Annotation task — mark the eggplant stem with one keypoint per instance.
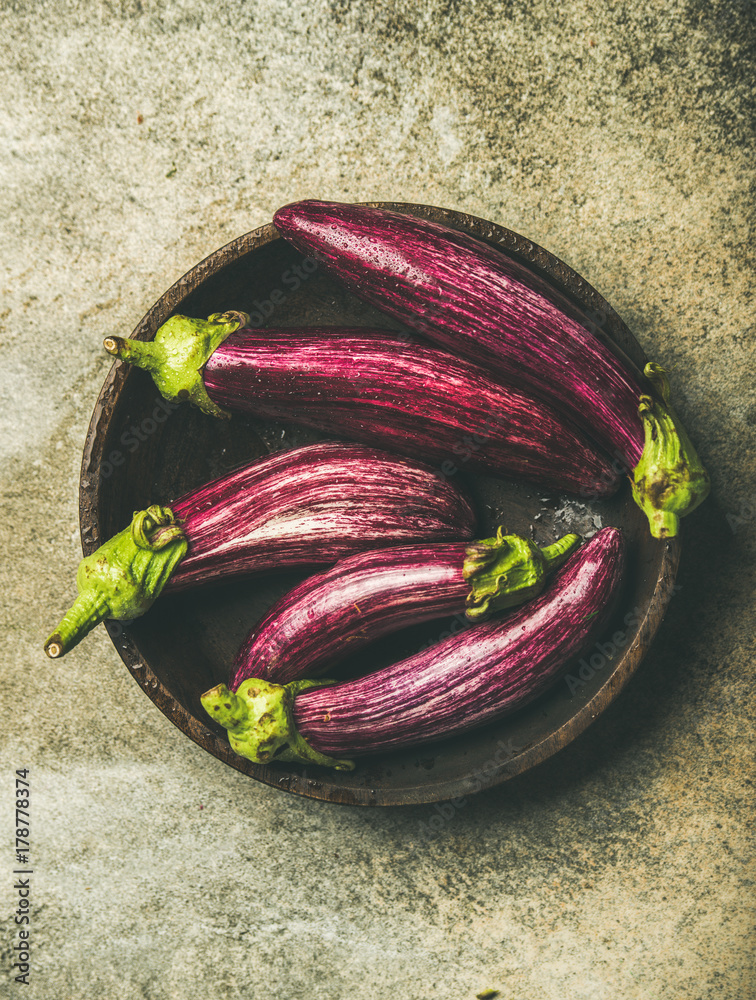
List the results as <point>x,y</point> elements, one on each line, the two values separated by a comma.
<point>260,722</point>
<point>507,570</point>
<point>669,481</point>
<point>558,552</point>
<point>177,355</point>
<point>88,610</point>
<point>123,577</point>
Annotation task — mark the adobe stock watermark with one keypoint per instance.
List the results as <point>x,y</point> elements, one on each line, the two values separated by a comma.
<point>292,280</point>
<point>136,435</point>
<point>470,444</point>
<point>458,623</point>
<point>591,664</point>
<point>603,652</point>
<point>445,812</point>
<point>745,516</point>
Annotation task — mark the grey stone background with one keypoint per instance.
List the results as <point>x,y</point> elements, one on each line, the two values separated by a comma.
<point>139,136</point>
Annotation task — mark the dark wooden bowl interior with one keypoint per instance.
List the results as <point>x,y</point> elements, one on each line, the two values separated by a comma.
<point>137,454</point>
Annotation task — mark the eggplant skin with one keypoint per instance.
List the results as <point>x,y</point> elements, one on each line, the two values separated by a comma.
<point>473,677</point>
<point>369,386</point>
<point>479,302</point>
<point>311,506</point>
<point>359,599</point>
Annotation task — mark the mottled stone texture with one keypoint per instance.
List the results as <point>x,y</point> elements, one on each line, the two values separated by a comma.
<point>139,136</point>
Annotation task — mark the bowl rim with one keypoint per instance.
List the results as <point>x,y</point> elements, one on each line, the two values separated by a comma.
<point>610,326</point>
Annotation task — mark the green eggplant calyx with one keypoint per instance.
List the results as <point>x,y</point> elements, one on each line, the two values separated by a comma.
<point>260,722</point>
<point>669,481</point>
<point>508,570</point>
<point>123,577</point>
<point>178,354</point>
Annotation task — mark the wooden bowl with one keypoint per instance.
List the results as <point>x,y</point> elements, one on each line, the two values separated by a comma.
<point>138,452</point>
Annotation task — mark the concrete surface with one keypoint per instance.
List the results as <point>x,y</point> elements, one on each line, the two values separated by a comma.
<point>137,137</point>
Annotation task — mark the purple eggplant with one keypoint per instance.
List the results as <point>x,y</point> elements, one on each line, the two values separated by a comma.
<point>372,594</point>
<point>369,386</point>
<point>305,507</point>
<point>477,301</point>
<point>470,679</point>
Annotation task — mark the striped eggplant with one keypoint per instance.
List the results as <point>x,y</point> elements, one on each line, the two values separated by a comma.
<point>474,677</point>
<point>473,299</point>
<point>374,593</point>
<point>368,385</point>
<point>305,507</point>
